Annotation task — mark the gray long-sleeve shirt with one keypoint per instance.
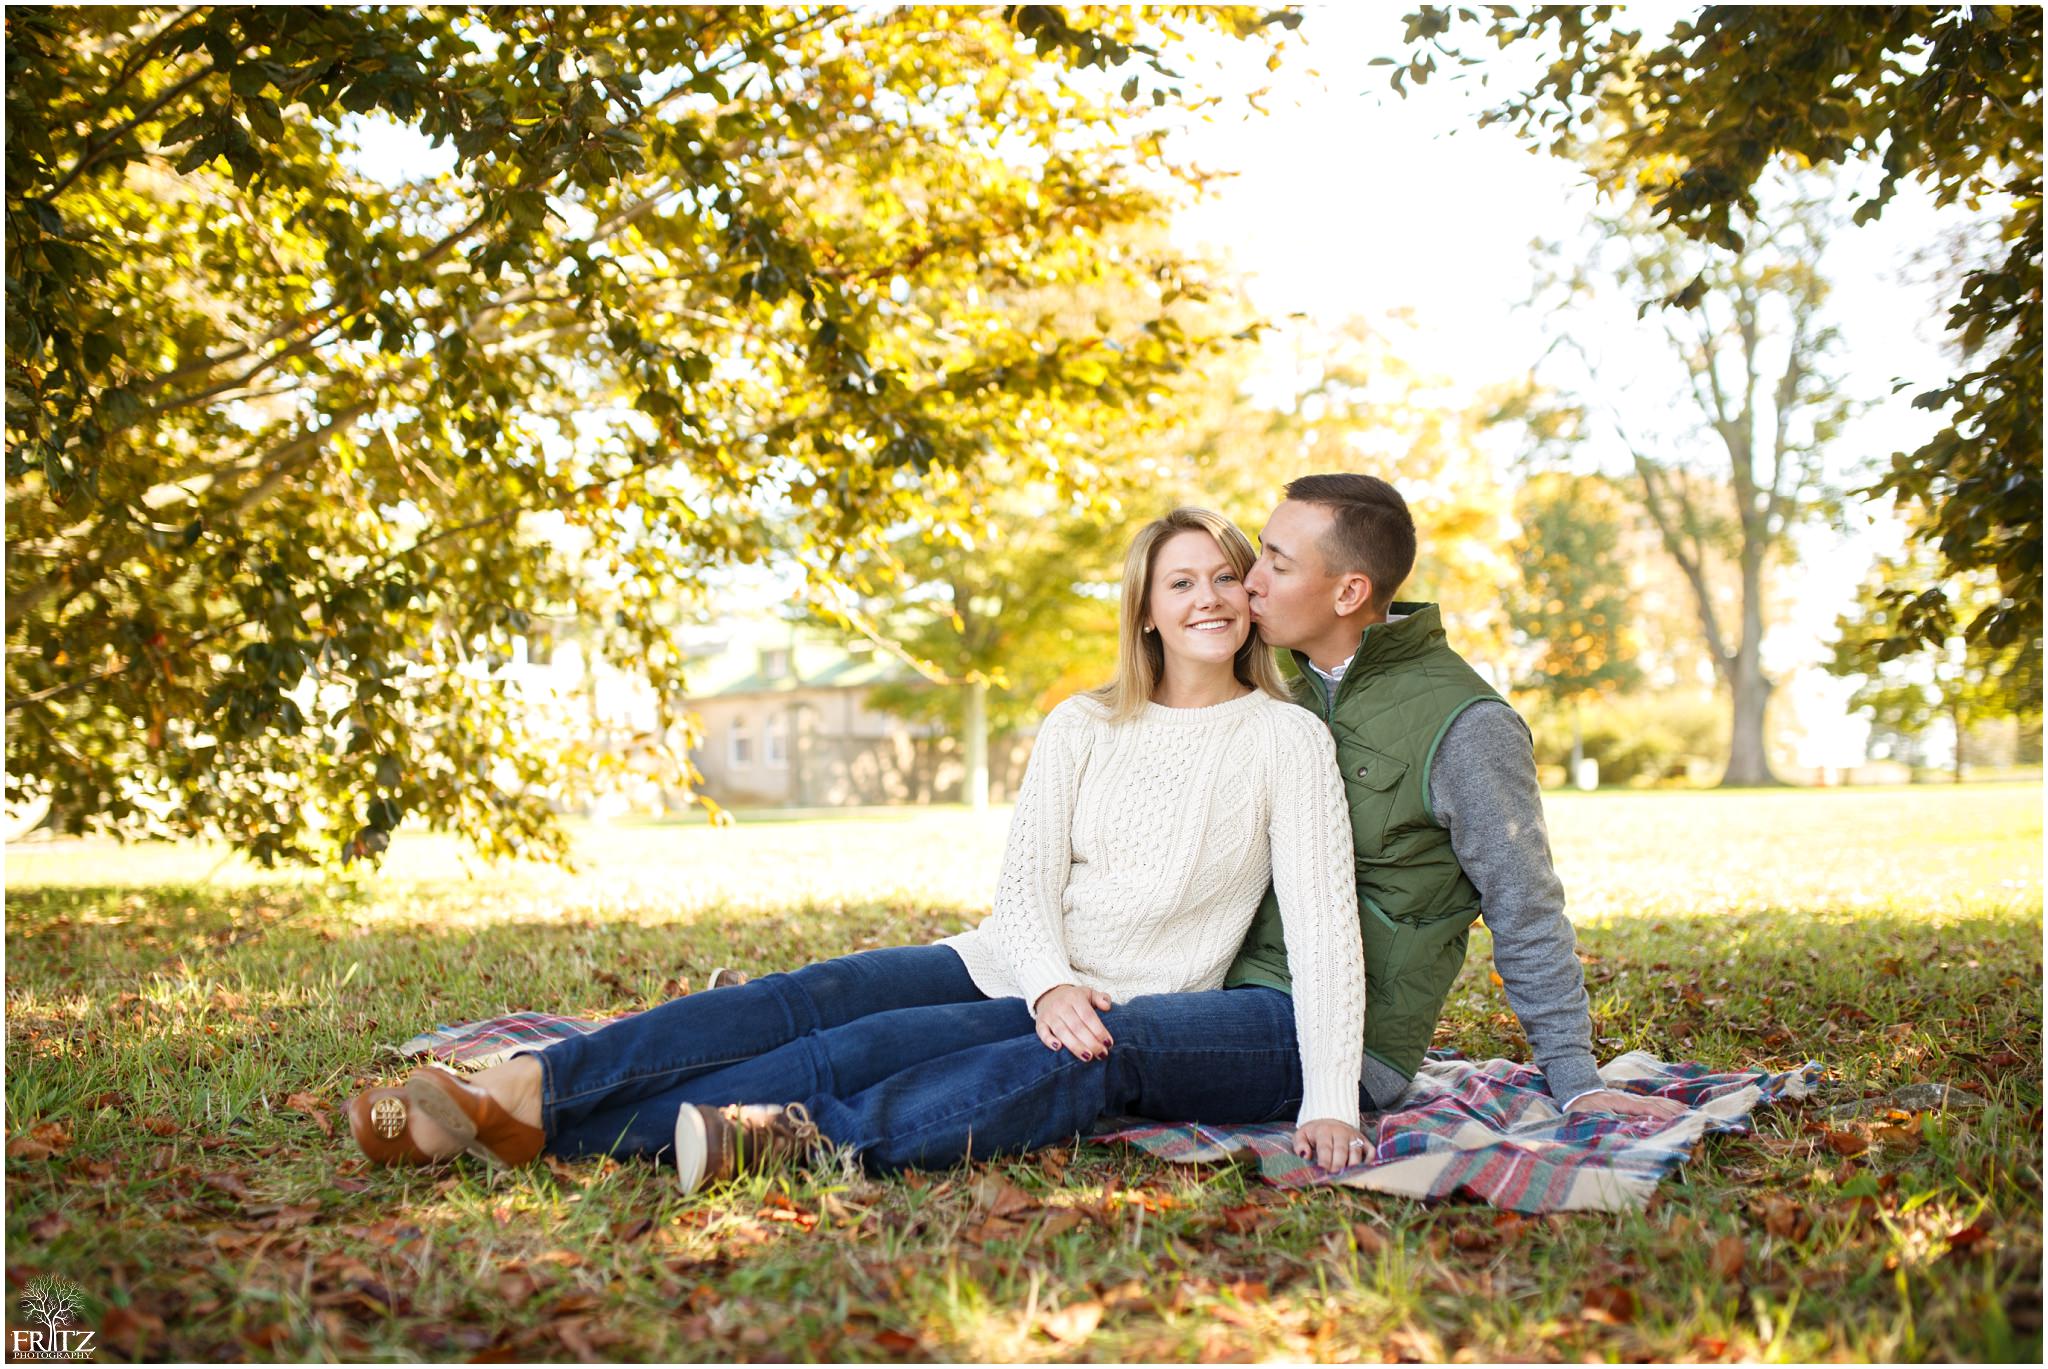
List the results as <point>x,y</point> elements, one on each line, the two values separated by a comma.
<point>1483,788</point>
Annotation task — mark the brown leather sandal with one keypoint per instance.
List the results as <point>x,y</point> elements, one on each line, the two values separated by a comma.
<point>381,1122</point>
<point>473,1117</point>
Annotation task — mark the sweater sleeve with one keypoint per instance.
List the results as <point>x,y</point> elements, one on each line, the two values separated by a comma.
<point>1029,917</point>
<point>1314,882</point>
<point>1483,789</point>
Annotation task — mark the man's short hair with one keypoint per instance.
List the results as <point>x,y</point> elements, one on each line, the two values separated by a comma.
<point>1372,534</point>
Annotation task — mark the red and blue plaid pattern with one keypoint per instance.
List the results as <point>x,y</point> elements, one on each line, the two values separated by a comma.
<point>1487,1131</point>
<point>1492,1132</point>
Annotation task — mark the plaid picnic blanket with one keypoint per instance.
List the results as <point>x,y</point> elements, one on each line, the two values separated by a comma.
<point>1489,1131</point>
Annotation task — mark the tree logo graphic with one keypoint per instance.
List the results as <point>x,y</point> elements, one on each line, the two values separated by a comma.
<point>54,1304</point>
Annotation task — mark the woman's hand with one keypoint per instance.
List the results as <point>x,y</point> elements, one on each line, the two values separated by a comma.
<point>1331,1145</point>
<point>1067,1018</point>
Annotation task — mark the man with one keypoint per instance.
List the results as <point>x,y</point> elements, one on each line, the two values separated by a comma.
<point>1447,825</point>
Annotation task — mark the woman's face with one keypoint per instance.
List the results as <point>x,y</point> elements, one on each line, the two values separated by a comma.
<point>1197,601</point>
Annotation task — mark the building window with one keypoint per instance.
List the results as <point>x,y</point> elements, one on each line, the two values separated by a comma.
<point>775,742</point>
<point>774,664</point>
<point>741,745</point>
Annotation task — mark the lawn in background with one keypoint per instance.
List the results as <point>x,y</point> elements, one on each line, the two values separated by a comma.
<point>183,1032</point>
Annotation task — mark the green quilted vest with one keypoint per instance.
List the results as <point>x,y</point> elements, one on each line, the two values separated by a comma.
<point>1399,696</point>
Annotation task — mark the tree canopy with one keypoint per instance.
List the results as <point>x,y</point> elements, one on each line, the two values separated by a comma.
<point>1964,682</point>
<point>299,438</point>
<point>1948,97</point>
<point>1573,608</point>
<point>1738,456</point>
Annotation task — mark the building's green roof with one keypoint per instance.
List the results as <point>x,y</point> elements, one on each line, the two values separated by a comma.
<point>734,665</point>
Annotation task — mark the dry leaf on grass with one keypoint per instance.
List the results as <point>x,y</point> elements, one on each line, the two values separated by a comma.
<point>1781,1216</point>
<point>1729,1255</point>
<point>1967,1239</point>
<point>1244,1219</point>
<point>1075,1323</point>
<point>997,1197</point>
<point>314,1106</point>
<point>1610,1303</point>
<point>230,1184</point>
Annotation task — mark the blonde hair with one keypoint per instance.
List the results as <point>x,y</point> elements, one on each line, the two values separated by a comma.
<point>1140,659</point>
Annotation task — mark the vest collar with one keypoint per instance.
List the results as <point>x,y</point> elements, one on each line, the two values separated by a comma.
<point>1420,629</point>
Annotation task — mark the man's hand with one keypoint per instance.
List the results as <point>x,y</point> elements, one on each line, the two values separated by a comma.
<point>1626,1104</point>
<point>1067,1018</point>
<point>1331,1145</point>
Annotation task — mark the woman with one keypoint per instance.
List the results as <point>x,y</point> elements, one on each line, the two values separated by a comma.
<point>1154,812</point>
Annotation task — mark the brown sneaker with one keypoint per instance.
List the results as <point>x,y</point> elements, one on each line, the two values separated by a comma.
<point>717,1144</point>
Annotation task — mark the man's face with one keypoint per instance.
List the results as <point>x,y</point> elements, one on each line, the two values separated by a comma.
<point>1293,593</point>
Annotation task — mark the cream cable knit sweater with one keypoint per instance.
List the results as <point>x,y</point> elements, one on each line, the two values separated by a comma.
<point>1139,853</point>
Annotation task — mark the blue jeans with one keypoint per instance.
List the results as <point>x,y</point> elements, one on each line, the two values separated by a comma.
<point>1225,1056</point>
<point>616,1091</point>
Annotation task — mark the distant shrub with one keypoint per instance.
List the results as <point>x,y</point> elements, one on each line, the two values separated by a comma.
<point>1641,739</point>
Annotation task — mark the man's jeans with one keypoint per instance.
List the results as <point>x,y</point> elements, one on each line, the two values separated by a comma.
<point>897,1055</point>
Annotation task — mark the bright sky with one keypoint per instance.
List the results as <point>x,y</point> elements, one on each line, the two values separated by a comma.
<point>1348,201</point>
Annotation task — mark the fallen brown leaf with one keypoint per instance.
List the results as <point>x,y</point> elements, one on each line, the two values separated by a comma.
<point>1782,1216</point>
<point>1060,1220</point>
<point>1074,1323</point>
<point>1473,1240</point>
<point>159,1126</point>
<point>1729,1255</point>
<point>230,1184</point>
<point>1846,1143</point>
<point>895,1342</point>
<point>267,1337</point>
<point>1967,1239</point>
<point>574,1333</point>
<point>515,1286</point>
<point>314,1106</point>
<point>1245,1219</point>
<point>289,1215</point>
<point>1610,1303</point>
<point>997,1197</point>
<point>131,1329</point>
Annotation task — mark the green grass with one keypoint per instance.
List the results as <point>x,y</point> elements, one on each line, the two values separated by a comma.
<point>1894,935</point>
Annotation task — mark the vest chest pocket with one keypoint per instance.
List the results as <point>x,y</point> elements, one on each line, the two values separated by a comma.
<point>1372,786</point>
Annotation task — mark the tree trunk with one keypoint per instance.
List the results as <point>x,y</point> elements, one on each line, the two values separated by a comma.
<point>1748,763</point>
<point>976,787</point>
<point>1955,717</point>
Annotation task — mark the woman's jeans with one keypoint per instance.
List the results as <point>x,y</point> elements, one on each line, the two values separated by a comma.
<point>618,1089</point>
<point>900,1057</point>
